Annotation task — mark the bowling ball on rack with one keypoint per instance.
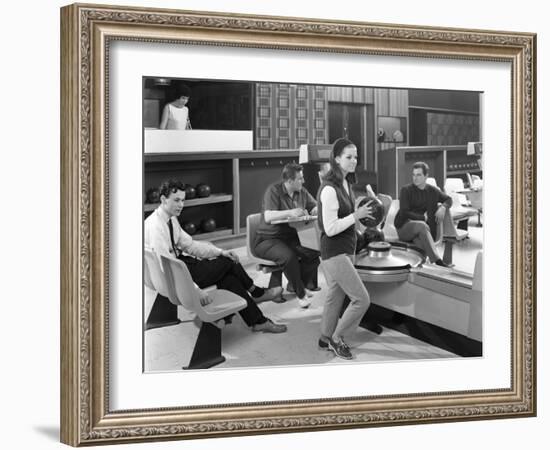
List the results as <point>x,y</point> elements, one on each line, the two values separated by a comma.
<point>369,235</point>
<point>373,235</point>
<point>203,190</point>
<point>190,192</point>
<point>152,196</point>
<point>189,227</point>
<point>208,225</point>
<point>378,212</point>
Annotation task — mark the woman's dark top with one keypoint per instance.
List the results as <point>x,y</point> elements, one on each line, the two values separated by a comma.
<point>345,241</point>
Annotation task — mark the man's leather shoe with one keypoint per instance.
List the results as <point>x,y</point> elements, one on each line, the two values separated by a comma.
<point>291,289</point>
<point>307,291</point>
<point>269,294</point>
<point>269,327</point>
<point>441,263</point>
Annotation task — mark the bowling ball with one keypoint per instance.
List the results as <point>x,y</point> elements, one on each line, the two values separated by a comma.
<point>208,225</point>
<point>378,212</point>
<point>190,192</point>
<point>373,235</point>
<point>189,227</point>
<point>152,196</point>
<point>368,236</point>
<point>203,190</point>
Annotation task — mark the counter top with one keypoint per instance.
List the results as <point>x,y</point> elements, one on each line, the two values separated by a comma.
<point>198,156</point>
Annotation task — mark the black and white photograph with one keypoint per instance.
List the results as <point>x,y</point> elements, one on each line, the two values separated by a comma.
<point>277,224</point>
<point>308,224</point>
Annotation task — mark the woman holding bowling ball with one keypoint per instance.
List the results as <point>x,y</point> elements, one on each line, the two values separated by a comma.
<point>338,221</point>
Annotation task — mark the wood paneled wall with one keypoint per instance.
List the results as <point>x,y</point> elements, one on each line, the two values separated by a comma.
<point>363,95</point>
<point>289,115</point>
<point>391,102</point>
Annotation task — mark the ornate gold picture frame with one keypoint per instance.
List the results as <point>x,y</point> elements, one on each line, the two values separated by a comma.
<point>87,31</point>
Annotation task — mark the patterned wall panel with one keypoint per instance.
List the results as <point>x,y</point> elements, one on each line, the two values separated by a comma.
<point>288,115</point>
<point>264,115</point>
<point>452,129</point>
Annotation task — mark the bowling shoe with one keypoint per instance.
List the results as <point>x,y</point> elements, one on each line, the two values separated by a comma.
<point>304,302</point>
<point>340,349</point>
<point>323,345</point>
<point>269,327</point>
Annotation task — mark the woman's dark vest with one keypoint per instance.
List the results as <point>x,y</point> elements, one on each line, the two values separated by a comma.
<point>345,241</point>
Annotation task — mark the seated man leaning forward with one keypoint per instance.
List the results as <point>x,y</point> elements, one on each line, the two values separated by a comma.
<point>421,207</point>
<point>288,199</point>
<point>207,263</point>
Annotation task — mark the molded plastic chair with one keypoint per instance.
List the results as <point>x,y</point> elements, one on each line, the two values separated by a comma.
<point>206,345</point>
<point>154,275</point>
<point>431,180</point>
<point>180,285</point>
<point>263,265</point>
<point>476,195</point>
<point>458,210</point>
<point>461,209</point>
<point>389,228</point>
<point>164,311</point>
<point>451,235</point>
<point>453,185</point>
<point>456,185</point>
<point>386,201</point>
<point>474,181</point>
<point>390,232</point>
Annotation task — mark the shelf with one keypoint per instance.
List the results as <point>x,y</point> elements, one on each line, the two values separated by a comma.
<point>214,198</point>
<point>213,235</point>
<point>200,156</point>
<point>463,172</point>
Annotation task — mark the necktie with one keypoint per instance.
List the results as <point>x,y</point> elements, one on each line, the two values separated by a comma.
<point>171,228</point>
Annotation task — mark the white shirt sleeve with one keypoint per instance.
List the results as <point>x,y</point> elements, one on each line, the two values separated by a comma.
<point>332,224</point>
<point>200,249</point>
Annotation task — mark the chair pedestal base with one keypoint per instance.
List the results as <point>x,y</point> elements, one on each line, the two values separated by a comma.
<point>163,314</point>
<point>479,219</point>
<point>463,224</point>
<point>207,348</point>
<point>448,252</point>
<point>276,279</point>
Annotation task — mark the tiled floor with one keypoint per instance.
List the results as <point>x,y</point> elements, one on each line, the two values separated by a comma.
<point>298,346</point>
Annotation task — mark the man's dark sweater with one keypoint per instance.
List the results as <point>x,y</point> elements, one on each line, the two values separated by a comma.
<point>415,202</point>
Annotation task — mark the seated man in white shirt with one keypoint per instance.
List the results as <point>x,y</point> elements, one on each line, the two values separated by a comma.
<point>207,263</point>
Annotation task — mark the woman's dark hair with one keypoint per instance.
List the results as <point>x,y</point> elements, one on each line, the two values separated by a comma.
<point>335,174</point>
<point>171,187</point>
<point>182,90</point>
